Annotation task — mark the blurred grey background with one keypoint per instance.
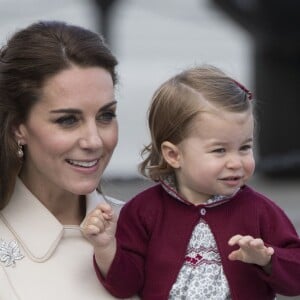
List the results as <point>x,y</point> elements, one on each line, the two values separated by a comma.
<point>155,39</point>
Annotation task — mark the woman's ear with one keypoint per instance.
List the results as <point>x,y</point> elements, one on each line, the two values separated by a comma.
<point>171,154</point>
<point>19,132</point>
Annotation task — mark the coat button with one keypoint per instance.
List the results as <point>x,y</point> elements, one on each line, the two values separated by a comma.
<point>203,211</point>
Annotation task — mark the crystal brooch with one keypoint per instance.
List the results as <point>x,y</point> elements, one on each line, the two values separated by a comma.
<point>9,253</point>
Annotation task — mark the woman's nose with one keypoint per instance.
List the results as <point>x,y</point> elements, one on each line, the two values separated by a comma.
<point>91,138</point>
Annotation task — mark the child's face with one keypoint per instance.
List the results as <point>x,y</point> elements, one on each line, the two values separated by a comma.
<point>217,157</point>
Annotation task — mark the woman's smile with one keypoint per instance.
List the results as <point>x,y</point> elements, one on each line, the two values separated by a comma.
<point>77,114</point>
<point>83,163</point>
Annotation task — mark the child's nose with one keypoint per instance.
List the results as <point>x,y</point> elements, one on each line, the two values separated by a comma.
<point>234,161</point>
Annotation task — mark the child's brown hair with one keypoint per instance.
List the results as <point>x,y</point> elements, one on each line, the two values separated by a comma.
<point>177,102</point>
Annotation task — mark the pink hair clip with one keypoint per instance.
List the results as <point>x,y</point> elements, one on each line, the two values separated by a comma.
<point>249,94</point>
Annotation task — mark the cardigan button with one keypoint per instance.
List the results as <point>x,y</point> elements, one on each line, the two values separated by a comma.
<point>203,211</point>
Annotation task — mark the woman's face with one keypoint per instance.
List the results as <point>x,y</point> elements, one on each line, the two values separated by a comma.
<point>71,132</point>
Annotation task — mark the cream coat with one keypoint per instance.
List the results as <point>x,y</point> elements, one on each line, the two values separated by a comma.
<point>57,260</point>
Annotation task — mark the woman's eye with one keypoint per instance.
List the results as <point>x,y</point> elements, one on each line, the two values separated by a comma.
<point>67,120</point>
<point>106,117</point>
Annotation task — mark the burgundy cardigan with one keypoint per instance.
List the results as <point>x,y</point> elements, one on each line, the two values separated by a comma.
<point>154,230</point>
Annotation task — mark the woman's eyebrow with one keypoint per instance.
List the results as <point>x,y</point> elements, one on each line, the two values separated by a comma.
<point>78,111</point>
<point>108,105</point>
<point>66,110</point>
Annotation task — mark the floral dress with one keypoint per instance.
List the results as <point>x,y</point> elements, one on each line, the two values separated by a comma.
<point>201,277</point>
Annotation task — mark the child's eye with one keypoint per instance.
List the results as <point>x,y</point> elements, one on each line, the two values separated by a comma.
<point>67,120</point>
<point>246,147</point>
<point>106,116</point>
<point>219,150</point>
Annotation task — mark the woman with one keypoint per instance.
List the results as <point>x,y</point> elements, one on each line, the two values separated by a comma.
<point>58,130</point>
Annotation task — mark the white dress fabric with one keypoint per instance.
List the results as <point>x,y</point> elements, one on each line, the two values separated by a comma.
<point>40,259</point>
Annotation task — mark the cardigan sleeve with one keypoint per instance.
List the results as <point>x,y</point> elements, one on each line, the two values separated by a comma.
<point>279,233</point>
<point>125,277</point>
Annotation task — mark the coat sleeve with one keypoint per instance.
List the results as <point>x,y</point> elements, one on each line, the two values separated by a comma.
<point>125,277</point>
<point>279,233</point>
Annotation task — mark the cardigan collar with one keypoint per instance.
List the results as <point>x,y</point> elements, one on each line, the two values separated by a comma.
<point>169,185</point>
<point>28,218</point>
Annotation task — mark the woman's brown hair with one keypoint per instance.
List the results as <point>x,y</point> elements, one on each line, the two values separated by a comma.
<point>30,57</point>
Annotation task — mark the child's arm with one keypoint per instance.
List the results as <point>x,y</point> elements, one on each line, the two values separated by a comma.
<point>99,228</point>
<point>251,251</point>
<point>119,250</point>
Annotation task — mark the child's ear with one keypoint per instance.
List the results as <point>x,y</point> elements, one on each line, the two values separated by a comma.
<point>171,154</point>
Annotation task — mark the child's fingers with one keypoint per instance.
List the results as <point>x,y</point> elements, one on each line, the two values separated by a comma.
<point>257,243</point>
<point>270,251</point>
<point>97,220</point>
<point>234,240</point>
<point>94,221</point>
<point>102,211</point>
<point>241,240</point>
<point>251,250</point>
<point>91,229</point>
<point>260,245</point>
<point>235,255</point>
<point>245,241</point>
<point>105,208</point>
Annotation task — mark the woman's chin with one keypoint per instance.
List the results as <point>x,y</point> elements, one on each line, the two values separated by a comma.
<point>84,189</point>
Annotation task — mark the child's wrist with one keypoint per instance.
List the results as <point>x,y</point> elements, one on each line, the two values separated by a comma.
<point>268,268</point>
<point>103,251</point>
<point>104,256</point>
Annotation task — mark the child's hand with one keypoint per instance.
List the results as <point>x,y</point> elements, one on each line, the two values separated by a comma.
<point>99,226</point>
<point>252,251</point>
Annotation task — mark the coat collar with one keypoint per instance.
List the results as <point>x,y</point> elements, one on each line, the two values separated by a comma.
<point>37,231</point>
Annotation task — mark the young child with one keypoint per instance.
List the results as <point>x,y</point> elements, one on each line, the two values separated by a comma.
<point>201,232</point>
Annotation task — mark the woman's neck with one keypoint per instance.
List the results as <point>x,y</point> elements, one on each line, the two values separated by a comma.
<point>71,214</point>
<point>67,208</point>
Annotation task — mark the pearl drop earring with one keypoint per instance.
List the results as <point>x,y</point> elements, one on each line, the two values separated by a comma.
<point>20,152</point>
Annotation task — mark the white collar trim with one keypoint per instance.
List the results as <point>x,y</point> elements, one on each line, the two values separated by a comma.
<point>37,231</point>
